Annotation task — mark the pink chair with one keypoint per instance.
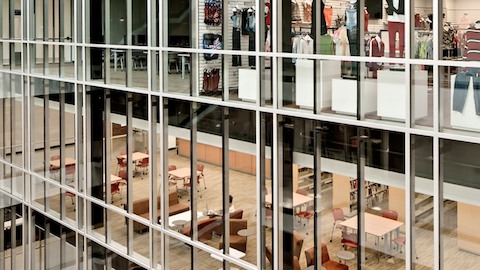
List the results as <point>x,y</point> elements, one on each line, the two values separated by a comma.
<point>390,214</point>
<point>400,241</point>
<point>338,217</point>
<point>201,168</point>
<point>70,171</point>
<point>54,170</point>
<point>71,195</point>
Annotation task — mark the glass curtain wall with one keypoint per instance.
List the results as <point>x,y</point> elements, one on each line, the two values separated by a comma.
<point>228,134</point>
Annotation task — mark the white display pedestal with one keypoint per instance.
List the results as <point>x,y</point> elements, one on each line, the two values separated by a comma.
<point>344,96</point>
<point>304,81</point>
<point>391,102</point>
<point>247,84</point>
<point>467,119</point>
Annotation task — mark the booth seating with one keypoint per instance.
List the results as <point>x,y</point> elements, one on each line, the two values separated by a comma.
<point>236,241</point>
<point>205,228</point>
<point>141,208</point>
<point>218,229</point>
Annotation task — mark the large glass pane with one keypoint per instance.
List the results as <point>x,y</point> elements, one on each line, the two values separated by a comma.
<point>177,74</point>
<point>177,20</point>
<point>423,223</point>
<point>459,99</point>
<point>460,203</point>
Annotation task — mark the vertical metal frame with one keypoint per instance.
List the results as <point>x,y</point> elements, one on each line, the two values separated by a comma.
<point>194,106</point>
<point>163,106</point>
<point>225,182</point>
<point>130,143</point>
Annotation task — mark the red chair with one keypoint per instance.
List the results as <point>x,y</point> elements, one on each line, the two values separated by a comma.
<point>308,213</point>
<point>172,181</point>
<point>143,165</point>
<point>338,217</point>
<point>349,240</point>
<point>121,164</point>
<point>122,174</point>
<point>115,189</point>
<point>330,264</point>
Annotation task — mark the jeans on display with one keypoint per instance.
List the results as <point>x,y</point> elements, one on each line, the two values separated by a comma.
<point>354,48</point>
<point>236,59</point>
<point>460,90</point>
<point>251,47</point>
<point>393,29</point>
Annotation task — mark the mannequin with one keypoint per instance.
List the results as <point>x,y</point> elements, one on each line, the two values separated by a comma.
<point>351,9</point>
<point>396,24</point>
<point>236,25</point>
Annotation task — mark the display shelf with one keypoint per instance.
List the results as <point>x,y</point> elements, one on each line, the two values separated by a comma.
<point>306,178</point>
<point>345,193</point>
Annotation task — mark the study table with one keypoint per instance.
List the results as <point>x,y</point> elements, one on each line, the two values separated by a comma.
<point>181,174</point>
<point>298,200</point>
<point>68,161</point>
<point>136,156</point>
<point>377,226</point>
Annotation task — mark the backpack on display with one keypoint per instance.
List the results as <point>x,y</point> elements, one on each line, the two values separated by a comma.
<point>213,42</point>
<point>213,12</point>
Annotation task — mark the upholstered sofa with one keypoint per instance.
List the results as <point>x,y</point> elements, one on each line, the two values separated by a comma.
<point>218,230</point>
<point>205,228</point>
<point>141,207</point>
<point>326,262</point>
<point>236,241</point>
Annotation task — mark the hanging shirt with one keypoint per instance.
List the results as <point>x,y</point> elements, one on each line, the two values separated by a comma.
<point>472,47</point>
<point>341,41</point>
<point>236,21</point>
<point>306,45</point>
<point>251,23</point>
<point>351,15</point>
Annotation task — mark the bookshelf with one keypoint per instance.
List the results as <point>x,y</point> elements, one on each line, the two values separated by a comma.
<point>345,193</point>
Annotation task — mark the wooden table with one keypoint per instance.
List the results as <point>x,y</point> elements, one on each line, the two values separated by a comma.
<point>182,173</point>
<point>298,200</point>
<point>377,226</point>
<point>68,161</point>
<point>136,156</point>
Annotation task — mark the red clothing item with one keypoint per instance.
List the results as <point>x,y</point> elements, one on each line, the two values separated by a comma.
<point>268,16</point>
<point>366,16</point>
<point>472,37</point>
